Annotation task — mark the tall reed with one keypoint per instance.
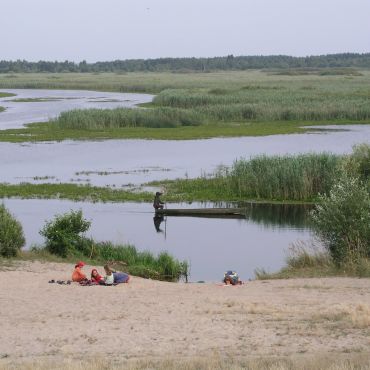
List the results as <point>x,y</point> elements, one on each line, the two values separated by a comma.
<point>299,178</point>
<point>123,117</point>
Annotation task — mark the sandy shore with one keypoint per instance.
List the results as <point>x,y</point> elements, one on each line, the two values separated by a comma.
<point>151,319</point>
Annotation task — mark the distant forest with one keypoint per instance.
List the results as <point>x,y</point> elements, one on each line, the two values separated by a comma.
<point>229,62</point>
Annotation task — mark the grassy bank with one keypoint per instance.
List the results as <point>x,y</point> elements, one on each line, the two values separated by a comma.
<point>49,132</point>
<point>281,178</point>
<point>72,192</point>
<point>6,95</point>
<point>312,261</point>
<point>121,257</point>
<point>201,105</point>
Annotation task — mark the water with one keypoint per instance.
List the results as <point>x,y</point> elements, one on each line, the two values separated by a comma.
<point>19,113</point>
<point>123,162</point>
<point>211,245</point>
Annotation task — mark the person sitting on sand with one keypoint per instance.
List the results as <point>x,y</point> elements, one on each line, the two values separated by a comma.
<point>96,277</point>
<point>157,203</point>
<point>77,274</point>
<point>109,278</point>
<point>232,278</point>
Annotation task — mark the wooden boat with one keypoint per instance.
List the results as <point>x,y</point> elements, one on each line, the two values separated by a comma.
<point>203,212</point>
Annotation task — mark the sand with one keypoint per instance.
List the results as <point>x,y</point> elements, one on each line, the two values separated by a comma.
<point>151,319</point>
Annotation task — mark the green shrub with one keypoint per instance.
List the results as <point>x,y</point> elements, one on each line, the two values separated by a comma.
<point>63,234</point>
<point>143,264</point>
<point>342,221</point>
<point>358,163</point>
<point>11,234</point>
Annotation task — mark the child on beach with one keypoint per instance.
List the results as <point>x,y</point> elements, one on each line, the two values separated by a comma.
<point>78,274</point>
<point>109,278</point>
<point>113,277</point>
<point>232,278</point>
<point>96,277</point>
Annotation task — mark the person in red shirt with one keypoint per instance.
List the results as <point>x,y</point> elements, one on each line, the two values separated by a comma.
<point>96,277</point>
<point>78,275</point>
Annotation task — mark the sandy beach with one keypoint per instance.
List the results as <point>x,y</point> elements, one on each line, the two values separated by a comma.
<point>148,319</point>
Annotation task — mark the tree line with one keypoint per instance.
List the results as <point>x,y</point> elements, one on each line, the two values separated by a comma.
<point>230,62</point>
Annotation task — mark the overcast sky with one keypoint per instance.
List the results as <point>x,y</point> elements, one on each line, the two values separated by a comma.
<point>123,29</point>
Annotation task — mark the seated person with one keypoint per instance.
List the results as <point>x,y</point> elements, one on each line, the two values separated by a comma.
<point>108,278</point>
<point>232,278</point>
<point>96,277</point>
<point>78,275</point>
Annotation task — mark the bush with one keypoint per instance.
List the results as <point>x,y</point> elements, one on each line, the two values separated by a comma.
<point>63,234</point>
<point>358,163</point>
<point>11,234</point>
<point>342,221</point>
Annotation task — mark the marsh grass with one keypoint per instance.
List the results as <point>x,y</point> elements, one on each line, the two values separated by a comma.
<point>121,117</point>
<point>2,109</point>
<point>299,178</point>
<point>310,259</point>
<point>71,191</point>
<point>6,95</point>
<point>143,264</point>
<point>122,257</point>
<point>34,100</point>
<point>222,103</point>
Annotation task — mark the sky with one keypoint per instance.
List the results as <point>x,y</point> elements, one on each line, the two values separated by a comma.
<point>101,30</point>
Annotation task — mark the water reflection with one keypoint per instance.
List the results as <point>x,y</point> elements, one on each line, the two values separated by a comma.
<point>266,214</point>
<point>211,245</point>
<point>158,219</point>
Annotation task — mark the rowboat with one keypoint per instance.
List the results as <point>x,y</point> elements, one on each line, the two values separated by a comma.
<point>203,212</point>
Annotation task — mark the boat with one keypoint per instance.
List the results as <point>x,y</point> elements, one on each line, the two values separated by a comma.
<point>203,212</point>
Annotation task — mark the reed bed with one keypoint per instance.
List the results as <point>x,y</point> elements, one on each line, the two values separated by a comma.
<point>267,103</point>
<point>210,99</point>
<point>120,117</point>
<point>295,178</point>
<point>143,264</point>
<point>122,257</point>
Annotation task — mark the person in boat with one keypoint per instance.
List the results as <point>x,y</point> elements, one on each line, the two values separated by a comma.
<point>78,275</point>
<point>232,278</point>
<point>157,203</point>
<point>158,219</point>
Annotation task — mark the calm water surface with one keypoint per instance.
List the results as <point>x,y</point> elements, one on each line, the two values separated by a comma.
<point>123,162</point>
<point>19,113</point>
<point>211,245</point>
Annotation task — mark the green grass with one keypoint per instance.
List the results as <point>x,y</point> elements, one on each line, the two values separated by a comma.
<point>34,100</point>
<point>72,192</point>
<point>283,178</point>
<point>201,105</point>
<point>2,109</point>
<point>122,257</point>
<point>47,132</point>
<point>310,261</point>
<point>6,95</point>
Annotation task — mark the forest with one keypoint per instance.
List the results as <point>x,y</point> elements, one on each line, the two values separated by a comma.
<point>230,62</point>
